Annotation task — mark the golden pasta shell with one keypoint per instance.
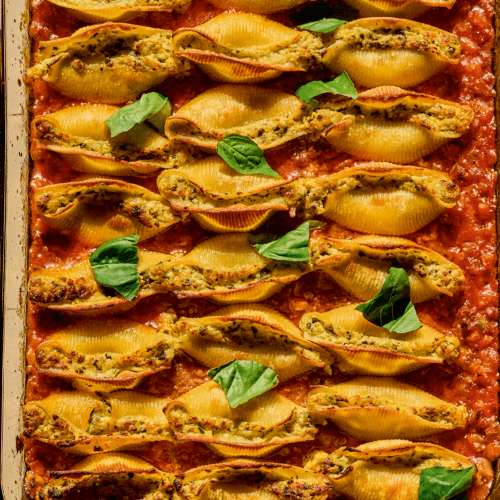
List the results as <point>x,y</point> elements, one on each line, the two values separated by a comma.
<point>389,51</point>
<point>84,67</point>
<point>86,423</point>
<point>232,222</point>
<point>94,11</point>
<point>97,210</point>
<point>396,8</point>
<point>259,6</point>
<point>104,355</point>
<point>395,125</point>
<point>252,293</point>
<point>383,198</point>
<point>255,428</point>
<point>361,347</point>
<point>246,48</point>
<point>364,263</point>
<point>250,332</point>
<point>269,117</point>
<point>369,408</point>
<point>377,470</point>
<point>113,462</point>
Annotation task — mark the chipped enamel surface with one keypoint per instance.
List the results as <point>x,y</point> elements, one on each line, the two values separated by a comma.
<point>395,125</point>
<point>361,347</point>
<point>105,355</point>
<point>82,66</point>
<point>98,210</point>
<point>388,51</point>
<point>369,408</point>
<point>255,428</point>
<point>383,198</point>
<point>95,11</point>
<point>85,423</point>
<point>268,117</point>
<point>246,48</point>
<point>396,464</point>
<point>251,332</point>
<point>81,135</point>
<point>396,8</point>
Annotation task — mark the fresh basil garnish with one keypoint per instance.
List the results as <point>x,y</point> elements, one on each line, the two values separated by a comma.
<point>323,25</point>
<point>244,155</point>
<point>440,483</point>
<point>115,265</point>
<point>293,246</point>
<point>153,107</point>
<point>243,380</point>
<point>342,85</point>
<point>392,308</point>
<point>317,12</point>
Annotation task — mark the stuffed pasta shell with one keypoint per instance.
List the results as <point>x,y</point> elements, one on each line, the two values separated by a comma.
<point>397,8</point>
<point>246,479</point>
<point>105,355</point>
<point>395,125</point>
<point>95,11</point>
<point>361,347</point>
<point>269,117</point>
<point>80,134</point>
<point>250,332</point>
<point>110,62</point>
<point>369,408</point>
<point>85,423</point>
<point>388,51</point>
<point>256,428</point>
<point>258,6</point>
<point>107,476</point>
<point>97,210</point>
<point>376,470</point>
<point>246,48</point>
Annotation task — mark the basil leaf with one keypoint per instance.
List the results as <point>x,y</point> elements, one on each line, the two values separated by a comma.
<point>244,155</point>
<point>342,85</point>
<point>392,308</point>
<point>316,12</point>
<point>153,107</point>
<point>293,246</point>
<point>243,380</point>
<point>115,265</point>
<point>440,483</point>
<point>323,25</point>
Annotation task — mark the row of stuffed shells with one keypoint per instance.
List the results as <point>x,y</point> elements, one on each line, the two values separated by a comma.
<point>364,408</point>
<point>373,470</point>
<point>107,355</point>
<point>228,269</point>
<point>375,198</point>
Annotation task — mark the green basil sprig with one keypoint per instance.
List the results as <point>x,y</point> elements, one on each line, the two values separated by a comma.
<point>342,85</point>
<point>244,155</point>
<point>440,483</point>
<point>326,25</point>
<point>392,308</point>
<point>243,380</point>
<point>115,265</point>
<point>153,107</point>
<point>293,246</point>
<point>317,12</point>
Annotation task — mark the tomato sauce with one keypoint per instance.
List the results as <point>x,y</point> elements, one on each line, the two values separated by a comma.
<point>465,234</point>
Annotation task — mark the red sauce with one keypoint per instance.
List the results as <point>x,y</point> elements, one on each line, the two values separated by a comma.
<point>465,234</point>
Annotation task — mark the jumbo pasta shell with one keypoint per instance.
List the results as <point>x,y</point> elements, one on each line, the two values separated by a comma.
<point>251,332</point>
<point>361,347</point>
<point>105,355</point>
<point>255,428</point>
<point>383,198</point>
<point>396,8</point>
<point>389,51</point>
<point>97,210</point>
<point>369,408</point>
<point>246,48</point>
<point>105,476</point>
<point>81,135</point>
<point>233,222</point>
<point>85,423</point>
<point>259,6</point>
<point>94,11</point>
<point>110,62</point>
<point>269,117</point>
<point>376,470</point>
<point>360,266</point>
<point>395,125</point>
<point>247,479</point>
